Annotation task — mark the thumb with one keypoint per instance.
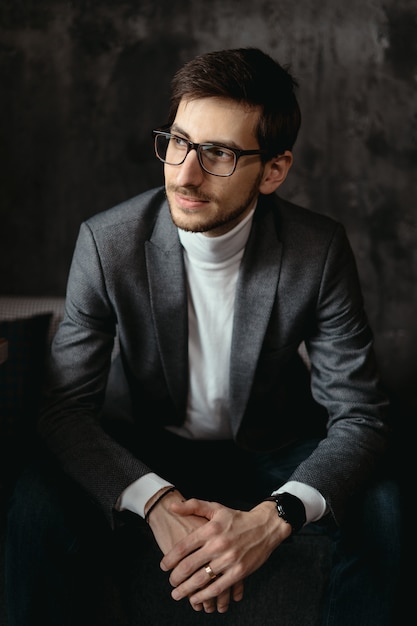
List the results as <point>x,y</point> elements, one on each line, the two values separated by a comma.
<point>194,506</point>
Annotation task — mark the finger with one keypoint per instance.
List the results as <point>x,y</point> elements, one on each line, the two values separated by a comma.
<point>218,588</point>
<point>220,603</point>
<point>209,606</point>
<point>237,591</point>
<point>200,581</point>
<point>192,569</point>
<point>181,550</point>
<point>194,506</point>
<point>223,601</point>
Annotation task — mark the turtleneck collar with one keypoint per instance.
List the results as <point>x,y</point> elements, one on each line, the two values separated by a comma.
<point>217,249</point>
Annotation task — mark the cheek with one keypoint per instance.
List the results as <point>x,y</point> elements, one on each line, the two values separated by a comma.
<point>244,183</point>
<point>171,176</point>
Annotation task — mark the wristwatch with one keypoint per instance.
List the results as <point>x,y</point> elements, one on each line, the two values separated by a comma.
<point>290,509</point>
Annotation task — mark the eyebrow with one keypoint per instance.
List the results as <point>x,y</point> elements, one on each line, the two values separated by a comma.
<point>225,144</point>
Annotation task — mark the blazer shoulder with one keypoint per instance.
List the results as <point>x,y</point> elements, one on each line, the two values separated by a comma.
<point>298,227</point>
<point>143,207</point>
<point>289,213</point>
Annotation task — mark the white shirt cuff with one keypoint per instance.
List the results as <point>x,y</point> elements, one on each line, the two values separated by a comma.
<point>135,497</point>
<point>314,503</point>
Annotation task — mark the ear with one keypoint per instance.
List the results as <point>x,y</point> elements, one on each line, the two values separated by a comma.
<point>275,172</point>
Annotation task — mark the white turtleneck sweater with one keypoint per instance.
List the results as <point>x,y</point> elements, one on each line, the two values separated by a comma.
<point>212,267</point>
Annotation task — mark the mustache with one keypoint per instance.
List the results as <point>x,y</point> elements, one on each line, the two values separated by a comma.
<point>190,192</point>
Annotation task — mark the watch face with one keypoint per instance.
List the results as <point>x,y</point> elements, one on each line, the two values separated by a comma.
<point>291,510</point>
<point>281,511</point>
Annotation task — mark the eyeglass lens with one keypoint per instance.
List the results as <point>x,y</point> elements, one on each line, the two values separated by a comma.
<point>215,160</point>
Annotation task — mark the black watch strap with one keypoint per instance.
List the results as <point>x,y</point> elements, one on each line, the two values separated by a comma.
<point>290,509</point>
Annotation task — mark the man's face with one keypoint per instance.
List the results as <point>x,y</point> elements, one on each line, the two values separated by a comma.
<point>201,202</point>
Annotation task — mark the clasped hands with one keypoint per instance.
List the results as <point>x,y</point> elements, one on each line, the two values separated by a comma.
<point>210,549</point>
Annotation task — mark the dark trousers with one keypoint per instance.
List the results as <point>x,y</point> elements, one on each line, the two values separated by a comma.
<point>60,550</point>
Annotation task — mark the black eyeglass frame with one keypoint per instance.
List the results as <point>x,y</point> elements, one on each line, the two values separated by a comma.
<point>198,146</point>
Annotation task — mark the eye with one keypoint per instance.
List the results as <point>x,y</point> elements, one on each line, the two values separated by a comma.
<point>179,142</point>
<point>218,153</point>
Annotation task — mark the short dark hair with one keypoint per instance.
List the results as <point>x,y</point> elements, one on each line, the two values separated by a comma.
<point>246,75</point>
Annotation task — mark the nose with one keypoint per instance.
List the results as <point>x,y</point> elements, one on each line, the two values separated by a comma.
<point>190,172</point>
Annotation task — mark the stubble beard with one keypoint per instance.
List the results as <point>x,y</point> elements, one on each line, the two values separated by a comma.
<point>219,221</point>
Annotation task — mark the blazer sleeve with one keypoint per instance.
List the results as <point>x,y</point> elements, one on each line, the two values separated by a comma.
<point>345,380</point>
<point>78,370</point>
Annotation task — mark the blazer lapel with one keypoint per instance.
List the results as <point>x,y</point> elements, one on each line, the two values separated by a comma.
<point>168,295</point>
<point>255,295</point>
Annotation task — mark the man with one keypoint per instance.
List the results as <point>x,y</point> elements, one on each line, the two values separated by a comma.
<point>213,283</point>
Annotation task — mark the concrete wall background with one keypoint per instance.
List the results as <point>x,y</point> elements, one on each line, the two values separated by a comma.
<point>83,83</point>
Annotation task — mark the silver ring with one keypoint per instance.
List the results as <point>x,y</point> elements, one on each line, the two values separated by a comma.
<point>210,572</point>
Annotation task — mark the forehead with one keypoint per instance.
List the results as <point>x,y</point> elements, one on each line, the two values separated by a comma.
<point>217,119</point>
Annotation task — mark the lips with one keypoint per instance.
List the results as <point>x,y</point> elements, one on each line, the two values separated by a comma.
<point>189,202</point>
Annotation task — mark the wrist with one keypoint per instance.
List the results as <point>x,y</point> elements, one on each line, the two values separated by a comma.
<point>289,508</point>
<point>159,496</point>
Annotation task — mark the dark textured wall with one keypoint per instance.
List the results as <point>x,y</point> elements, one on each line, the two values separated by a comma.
<point>83,83</point>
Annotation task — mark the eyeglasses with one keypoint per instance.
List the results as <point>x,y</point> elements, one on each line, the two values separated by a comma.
<point>216,160</point>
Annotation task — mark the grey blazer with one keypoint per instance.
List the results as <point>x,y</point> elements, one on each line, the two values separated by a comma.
<point>298,283</point>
